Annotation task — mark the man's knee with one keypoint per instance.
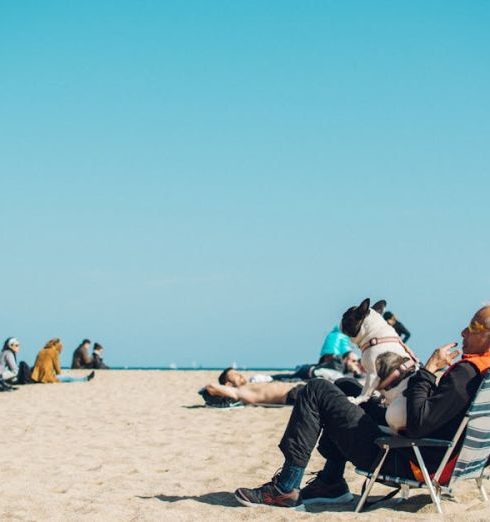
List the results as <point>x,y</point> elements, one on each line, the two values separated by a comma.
<point>321,387</point>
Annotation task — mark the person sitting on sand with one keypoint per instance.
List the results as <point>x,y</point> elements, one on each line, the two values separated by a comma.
<point>8,360</point>
<point>336,344</point>
<point>352,365</point>
<point>234,385</point>
<point>98,358</point>
<point>81,357</point>
<point>434,410</point>
<point>12,371</point>
<point>47,368</point>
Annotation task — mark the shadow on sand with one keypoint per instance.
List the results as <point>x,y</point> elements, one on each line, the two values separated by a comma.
<point>218,498</point>
<point>227,499</point>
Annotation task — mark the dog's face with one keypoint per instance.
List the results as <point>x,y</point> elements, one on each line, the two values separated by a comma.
<point>353,318</point>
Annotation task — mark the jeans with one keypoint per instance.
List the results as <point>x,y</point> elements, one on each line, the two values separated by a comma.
<point>347,431</point>
<point>69,378</point>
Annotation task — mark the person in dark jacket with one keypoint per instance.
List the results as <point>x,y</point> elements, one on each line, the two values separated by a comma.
<point>81,356</point>
<point>391,319</point>
<point>347,432</point>
<point>97,358</point>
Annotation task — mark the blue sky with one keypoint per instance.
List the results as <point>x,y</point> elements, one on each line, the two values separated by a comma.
<point>208,182</point>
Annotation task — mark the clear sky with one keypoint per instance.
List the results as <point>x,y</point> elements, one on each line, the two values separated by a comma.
<point>207,182</point>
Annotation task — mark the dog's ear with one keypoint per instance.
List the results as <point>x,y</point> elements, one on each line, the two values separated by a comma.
<point>363,308</point>
<point>379,306</point>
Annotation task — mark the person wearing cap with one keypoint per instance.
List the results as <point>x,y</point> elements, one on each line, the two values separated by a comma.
<point>8,360</point>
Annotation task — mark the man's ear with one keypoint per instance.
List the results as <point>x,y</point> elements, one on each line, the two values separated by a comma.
<point>379,306</point>
<point>363,308</point>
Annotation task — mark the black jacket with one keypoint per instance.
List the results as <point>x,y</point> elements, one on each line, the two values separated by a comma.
<point>98,362</point>
<point>436,410</point>
<point>401,331</point>
<point>81,359</point>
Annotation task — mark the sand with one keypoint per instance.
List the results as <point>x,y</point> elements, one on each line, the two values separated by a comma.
<point>138,445</point>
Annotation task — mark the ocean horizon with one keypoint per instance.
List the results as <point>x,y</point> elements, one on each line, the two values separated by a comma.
<point>196,369</point>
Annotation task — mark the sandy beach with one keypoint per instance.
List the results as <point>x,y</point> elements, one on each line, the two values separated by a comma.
<point>138,445</point>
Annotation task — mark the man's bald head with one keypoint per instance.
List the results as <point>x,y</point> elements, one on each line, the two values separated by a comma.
<point>483,316</point>
<point>476,336</point>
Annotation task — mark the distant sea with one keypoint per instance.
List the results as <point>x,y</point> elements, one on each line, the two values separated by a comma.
<point>184,369</point>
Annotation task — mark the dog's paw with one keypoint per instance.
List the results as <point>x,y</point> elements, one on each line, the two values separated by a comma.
<point>358,400</point>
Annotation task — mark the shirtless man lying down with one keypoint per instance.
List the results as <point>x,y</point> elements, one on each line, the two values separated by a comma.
<point>234,385</point>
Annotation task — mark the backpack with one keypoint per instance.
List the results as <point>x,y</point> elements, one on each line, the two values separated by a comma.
<point>24,374</point>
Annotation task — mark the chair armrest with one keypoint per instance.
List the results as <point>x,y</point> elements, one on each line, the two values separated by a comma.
<point>405,442</point>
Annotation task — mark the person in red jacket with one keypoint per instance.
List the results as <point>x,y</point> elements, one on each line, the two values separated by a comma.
<point>347,432</point>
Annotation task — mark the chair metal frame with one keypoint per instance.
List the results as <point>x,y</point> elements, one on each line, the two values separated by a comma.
<point>436,489</point>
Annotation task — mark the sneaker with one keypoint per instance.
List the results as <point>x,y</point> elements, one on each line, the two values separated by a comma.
<point>318,492</point>
<point>269,495</point>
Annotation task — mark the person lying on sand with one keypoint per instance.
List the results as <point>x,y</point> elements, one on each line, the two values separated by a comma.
<point>347,432</point>
<point>327,368</point>
<point>235,386</point>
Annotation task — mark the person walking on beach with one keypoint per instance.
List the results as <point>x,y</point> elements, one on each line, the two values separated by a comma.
<point>347,432</point>
<point>47,368</point>
<point>81,356</point>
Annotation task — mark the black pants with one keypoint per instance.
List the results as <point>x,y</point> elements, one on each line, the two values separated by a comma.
<point>347,431</point>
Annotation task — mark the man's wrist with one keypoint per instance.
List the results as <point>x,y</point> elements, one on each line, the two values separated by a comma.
<point>432,368</point>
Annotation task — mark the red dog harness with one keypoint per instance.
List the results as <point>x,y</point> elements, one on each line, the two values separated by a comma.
<point>404,368</point>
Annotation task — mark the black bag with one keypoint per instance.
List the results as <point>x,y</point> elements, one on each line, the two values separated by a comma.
<point>24,374</point>
<point>218,402</point>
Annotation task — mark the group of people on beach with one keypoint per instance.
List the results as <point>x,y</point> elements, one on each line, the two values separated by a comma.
<point>338,363</point>
<point>438,395</point>
<point>47,366</point>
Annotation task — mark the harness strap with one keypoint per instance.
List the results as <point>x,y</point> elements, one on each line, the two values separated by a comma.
<point>402,369</point>
<point>397,375</point>
<point>382,340</point>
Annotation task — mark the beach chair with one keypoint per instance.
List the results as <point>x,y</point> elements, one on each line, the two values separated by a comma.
<point>470,464</point>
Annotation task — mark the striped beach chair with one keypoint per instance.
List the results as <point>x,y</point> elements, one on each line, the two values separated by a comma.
<point>471,462</point>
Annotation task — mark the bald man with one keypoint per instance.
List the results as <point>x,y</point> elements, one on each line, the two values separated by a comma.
<point>348,432</point>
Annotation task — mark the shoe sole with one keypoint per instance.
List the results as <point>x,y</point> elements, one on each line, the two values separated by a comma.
<point>343,499</point>
<point>246,503</point>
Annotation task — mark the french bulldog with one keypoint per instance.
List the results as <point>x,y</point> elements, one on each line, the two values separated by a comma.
<point>387,361</point>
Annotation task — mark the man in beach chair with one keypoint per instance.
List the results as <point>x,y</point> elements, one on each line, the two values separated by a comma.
<point>469,464</point>
<point>348,432</point>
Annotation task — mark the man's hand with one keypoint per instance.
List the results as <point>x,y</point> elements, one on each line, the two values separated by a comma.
<point>442,357</point>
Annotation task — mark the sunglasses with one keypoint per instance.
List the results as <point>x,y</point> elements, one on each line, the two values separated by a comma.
<point>476,327</point>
